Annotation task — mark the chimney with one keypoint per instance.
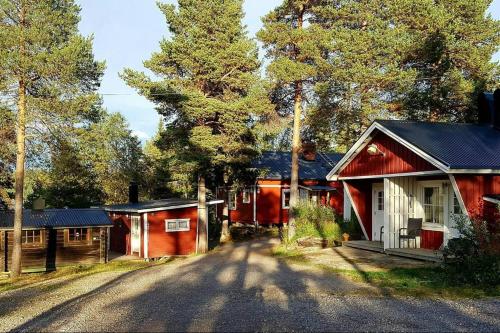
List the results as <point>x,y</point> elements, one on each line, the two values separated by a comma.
<point>133,193</point>
<point>39,204</point>
<point>486,105</point>
<point>496,109</point>
<point>309,151</point>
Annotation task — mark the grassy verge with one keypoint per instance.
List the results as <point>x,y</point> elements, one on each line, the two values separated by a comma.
<point>418,282</point>
<point>77,271</point>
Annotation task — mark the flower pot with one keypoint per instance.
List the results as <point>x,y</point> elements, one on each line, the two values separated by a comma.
<point>345,237</point>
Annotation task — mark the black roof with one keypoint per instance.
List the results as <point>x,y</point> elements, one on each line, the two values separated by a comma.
<point>150,205</point>
<point>278,165</point>
<point>456,145</point>
<point>57,218</point>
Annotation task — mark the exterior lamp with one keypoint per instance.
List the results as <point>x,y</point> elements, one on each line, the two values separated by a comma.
<point>374,150</point>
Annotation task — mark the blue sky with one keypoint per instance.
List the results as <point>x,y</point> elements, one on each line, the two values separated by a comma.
<point>126,32</point>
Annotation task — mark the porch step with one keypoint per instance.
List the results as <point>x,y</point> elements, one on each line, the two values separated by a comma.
<point>365,245</point>
<point>419,254</point>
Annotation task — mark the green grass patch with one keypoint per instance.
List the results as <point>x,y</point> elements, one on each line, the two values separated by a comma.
<point>418,282</point>
<point>75,272</point>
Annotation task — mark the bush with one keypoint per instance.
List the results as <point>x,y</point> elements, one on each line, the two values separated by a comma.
<point>313,220</point>
<point>473,257</point>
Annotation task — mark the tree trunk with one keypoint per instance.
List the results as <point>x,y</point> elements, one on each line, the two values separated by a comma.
<point>202,216</point>
<point>19,187</point>
<point>225,236</point>
<point>20,161</point>
<point>294,184</point>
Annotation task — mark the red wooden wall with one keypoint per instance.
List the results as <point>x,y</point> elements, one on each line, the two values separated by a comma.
<point>474,187</point>
<point>397,159</point>
<point>162,243</point>
<point>431,239</point>
<point>361,194</point>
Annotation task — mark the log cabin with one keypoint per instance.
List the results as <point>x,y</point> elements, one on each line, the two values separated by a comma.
<point>55,237</point>
<point>266,201</point>
<point>428,171</point>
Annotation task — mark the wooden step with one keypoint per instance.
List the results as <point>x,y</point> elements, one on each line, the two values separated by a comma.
<point>419,254</point>
<point>365,245</point>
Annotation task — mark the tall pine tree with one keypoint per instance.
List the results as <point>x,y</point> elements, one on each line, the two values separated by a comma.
<point>49,76</point>
<point>208,92</point>
<point>295,45</point>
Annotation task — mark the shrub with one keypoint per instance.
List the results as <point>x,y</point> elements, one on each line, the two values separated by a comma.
<point>313,220</point>
<point>473,257</point>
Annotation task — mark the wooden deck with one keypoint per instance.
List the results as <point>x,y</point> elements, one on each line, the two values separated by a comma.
<point>419,254</point>
<point>365,245</point>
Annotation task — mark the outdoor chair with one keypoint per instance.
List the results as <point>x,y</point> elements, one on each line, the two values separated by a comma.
<point>413,231</point>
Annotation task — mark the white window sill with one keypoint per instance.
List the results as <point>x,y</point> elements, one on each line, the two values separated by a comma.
<point>433,227</point>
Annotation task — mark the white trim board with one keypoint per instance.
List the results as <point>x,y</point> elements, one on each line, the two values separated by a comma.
<point>495,201</point>
<point>355,208</point>
<point>213,202</point>
<point>418,173</point>
<point>146,236</point>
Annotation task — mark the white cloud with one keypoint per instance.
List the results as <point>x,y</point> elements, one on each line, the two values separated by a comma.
<point>140,134</point>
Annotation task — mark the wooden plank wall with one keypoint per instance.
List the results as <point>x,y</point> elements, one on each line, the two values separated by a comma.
<point>53,251</point>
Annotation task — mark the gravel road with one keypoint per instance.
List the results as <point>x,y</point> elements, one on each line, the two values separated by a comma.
<point>239,288</point>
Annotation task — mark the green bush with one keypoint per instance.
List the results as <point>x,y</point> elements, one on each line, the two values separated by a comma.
<point>313,220</point>
<point>473,257</point>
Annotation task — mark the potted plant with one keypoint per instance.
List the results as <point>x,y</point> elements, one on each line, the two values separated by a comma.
<point>345,237</point>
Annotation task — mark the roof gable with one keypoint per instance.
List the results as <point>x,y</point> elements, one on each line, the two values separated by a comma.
<point>396,158</point>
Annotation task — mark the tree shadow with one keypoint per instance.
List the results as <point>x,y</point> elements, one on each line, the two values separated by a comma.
<point>242,288</point>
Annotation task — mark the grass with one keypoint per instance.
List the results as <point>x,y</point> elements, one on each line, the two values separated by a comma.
<point>76,271</point>
<point>418,282</point>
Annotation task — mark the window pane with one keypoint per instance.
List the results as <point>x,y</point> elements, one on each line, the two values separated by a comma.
<point>183,225</point>
<point>172,225</point>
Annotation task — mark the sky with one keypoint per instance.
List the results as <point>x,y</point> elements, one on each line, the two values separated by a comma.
<point>127,32</point>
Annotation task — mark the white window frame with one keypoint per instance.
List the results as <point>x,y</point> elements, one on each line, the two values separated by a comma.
<point>283,205</point>
<point>232,199</point>
<point>177,228</point>
<point>444,202</point>
<point>246,195</point>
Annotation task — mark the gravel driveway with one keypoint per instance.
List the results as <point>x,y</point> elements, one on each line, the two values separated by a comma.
<point>239,288</point>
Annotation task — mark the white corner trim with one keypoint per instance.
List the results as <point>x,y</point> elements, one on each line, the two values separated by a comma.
<point>354,151</point>
<point>459,195</point>
<point>390,175</point>
<point>146,236</point>
<point>346,186</point>
<point>480,171</point>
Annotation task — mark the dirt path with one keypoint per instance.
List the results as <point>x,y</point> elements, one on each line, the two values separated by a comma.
<point>239,288</point>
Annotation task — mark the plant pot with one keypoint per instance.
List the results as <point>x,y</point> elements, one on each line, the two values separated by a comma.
<point>345,237</point>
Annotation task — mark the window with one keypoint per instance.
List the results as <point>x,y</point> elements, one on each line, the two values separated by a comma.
<point>175,225</point>
<point>380,200</point>
<point>285,197</point>
<point>303,194</point>
<point>456,205</point>
<point>246,196</point>
<point>32,236</point>
<point>433,205</point>
<point>232,200</point>
<point>78,234</point>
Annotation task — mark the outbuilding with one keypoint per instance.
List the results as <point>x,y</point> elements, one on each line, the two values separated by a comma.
<point>155,229</point>
<point>55,237</point>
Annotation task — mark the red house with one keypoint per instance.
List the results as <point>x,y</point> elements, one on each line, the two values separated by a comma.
<point>399,170</point>
<point>266,202</point>
<point>155,229</point>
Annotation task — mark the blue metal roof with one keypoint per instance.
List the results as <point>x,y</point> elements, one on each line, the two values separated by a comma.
<point>459,146</point>
<point>151,205</point>
<point>278,165</point>
<point>57,218</point>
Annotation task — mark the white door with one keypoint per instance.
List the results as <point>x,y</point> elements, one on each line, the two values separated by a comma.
<point>378,211</point>
<point>135,233</point>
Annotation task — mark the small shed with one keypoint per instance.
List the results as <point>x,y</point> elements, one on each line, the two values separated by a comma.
<point>56,237</point>
<point>155,229</point>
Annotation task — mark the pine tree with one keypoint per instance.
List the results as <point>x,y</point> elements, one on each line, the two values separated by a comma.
<point>295,45</point>
<point>453,42</point>
<point>47,69</point>
<point>208,92</point>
